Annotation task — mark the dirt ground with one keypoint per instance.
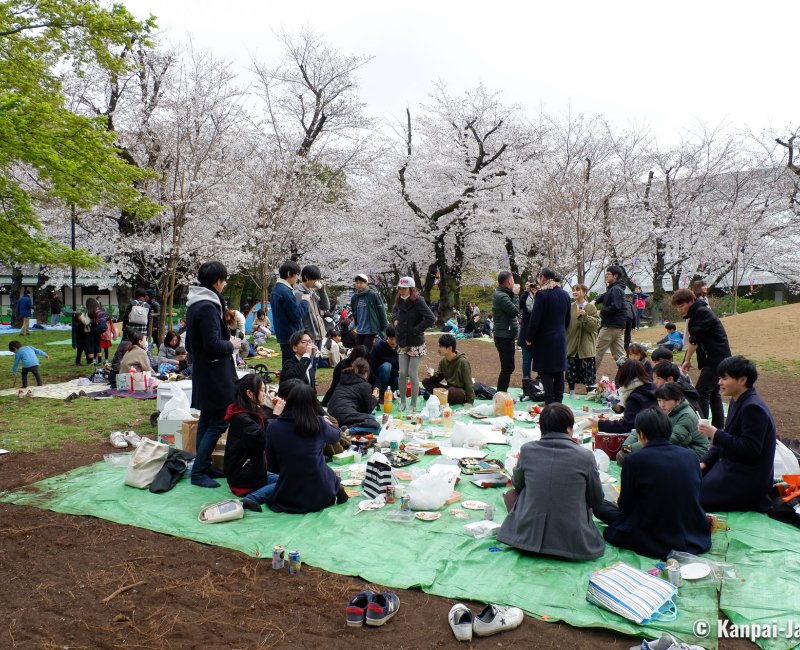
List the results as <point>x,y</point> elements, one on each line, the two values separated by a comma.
<point>60,575</point>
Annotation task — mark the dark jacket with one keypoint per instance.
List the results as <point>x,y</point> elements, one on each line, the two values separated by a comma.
<point>708,334</point>
<point>505,309</point>
<point>558,483</point>
<point>660,501</point>
<point>25,306</point>
<point>287,312</point>
<point>382,353</point>
<point>641,398</point>
<point>352,403</point>
<point>305,483</point>
<point>547,329</point>
<point>375,309</point>
<point>411,319</point>
<point>614,312</point>
<point>739,464</point>
<point>208,340</point>
<point>525,309</point>
<point>245,462</point>
<point>335,378</point>
<point>294,368</point>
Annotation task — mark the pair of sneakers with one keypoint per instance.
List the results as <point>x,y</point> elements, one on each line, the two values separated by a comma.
<point>493,619</point>
<point>666,642</point>
<point>371,608</point>
<point>121,439</point>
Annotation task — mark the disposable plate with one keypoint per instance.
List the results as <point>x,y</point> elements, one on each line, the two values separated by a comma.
<point>428,516</point>
<point>695,571</point>
<point>473,505</point>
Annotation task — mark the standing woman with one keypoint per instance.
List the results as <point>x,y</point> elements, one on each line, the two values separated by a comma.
<point>98,323</point>
<point>581,340</point>
<point>547,333</point>
<point>411,317</point>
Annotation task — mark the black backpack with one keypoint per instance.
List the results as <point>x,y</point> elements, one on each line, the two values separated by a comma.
<point>532,390</point>
<point>482,391</point>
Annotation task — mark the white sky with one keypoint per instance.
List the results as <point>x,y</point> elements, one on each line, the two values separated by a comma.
<point>661,64</point>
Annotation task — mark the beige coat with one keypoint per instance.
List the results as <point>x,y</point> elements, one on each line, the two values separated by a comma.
<point>582,332</point>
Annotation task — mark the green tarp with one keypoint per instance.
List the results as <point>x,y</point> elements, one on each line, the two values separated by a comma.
<point>440,559</point>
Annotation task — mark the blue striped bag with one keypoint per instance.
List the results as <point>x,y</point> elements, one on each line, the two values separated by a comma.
<point>633,594</point>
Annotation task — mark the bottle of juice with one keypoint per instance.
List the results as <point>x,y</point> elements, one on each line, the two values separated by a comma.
<point>509,407</point>
<point>387,400</point>
<point>447,418</point>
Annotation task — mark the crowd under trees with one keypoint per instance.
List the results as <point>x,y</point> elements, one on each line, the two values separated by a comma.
<point>163,157</point>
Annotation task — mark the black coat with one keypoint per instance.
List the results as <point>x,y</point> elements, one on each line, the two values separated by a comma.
<point>382,353</point>
<point>660,501</point>
<point>614,312</point>
<point>708,334</point>
<point>411,319</point>
<point>213,371</point>
<point>294,368</point>
<point>525,308</point>
<point>641,398</point>
<point>739,464</point>
<point>547,329</point>
<point>245,462</point>
<point>352,403</point>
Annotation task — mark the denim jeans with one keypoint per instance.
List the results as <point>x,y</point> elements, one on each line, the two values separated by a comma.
<point>210,427</point>
<point>54,319</point>
<point>263,493</point>
<point>376,429</point>
<point>527,360</point>
<point>387,376</point>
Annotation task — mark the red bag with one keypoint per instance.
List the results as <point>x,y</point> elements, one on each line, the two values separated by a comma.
<point>610,443</point>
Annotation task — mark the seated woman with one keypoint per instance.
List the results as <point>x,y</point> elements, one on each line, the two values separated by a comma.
<point>355,399</point>
<point>295,442</point>
<point>332,350</point>
<point>245,463</point>
<point>659,509</point>
<point>358,352</point>
<point>558,483</point>
<point>167,351</point>
<point>122,348</point>
<point>136,356</point>
<point>636,393</point>
<point>683,418</point>
<point>737,470</point>
<point>261,328</point>
<point>348,331</point>
<point>636,352</point>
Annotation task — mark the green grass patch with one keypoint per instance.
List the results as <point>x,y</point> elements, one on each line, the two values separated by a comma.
<point>60,367</point>
<point>783,367</point>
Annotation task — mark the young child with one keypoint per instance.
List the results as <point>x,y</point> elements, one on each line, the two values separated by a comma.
<point>673,340</point>
<point>637,352</point>
<point>26,355</point>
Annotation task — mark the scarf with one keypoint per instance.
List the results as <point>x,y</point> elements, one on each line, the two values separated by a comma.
<point>625,391</point>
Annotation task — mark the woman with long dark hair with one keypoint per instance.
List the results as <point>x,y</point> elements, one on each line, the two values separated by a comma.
<point>98,323</point>
<point>636,393</point>
<point>358,352</point>
<point>411,317</point>
<point>355,399</point>
<point>295,444</point>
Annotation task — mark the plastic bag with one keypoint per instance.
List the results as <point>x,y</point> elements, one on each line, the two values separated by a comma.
<point>468,435</point>
<point>177,405</point>
<point>602,460</point>
<point>429,491</point>
<point>785,461</point>
<point>432,407</point>
<point>521,436</point>
<point>386,436</point>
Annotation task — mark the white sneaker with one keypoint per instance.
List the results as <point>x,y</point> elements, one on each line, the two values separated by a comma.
<point>495,618</point>
<point>132,438</point>
<point>460,618</point>
<point>117,439</point>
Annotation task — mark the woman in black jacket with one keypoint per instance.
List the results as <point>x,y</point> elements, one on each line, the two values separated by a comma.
<point>411,317</point>
<point>355,399</point>
<point>358,352</point>
<point>245,460</point>
<point>636,393</point>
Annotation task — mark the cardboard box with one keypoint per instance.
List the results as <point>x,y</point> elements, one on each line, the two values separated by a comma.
<point>218,459</point>
<point>188,433</point>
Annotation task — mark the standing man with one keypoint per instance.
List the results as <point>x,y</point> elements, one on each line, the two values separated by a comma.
<point>25,310</point>
<point>287,313</point>
<point>55,308</point>
<point>137,314</point>
<point>547,334</point>
<point>311,285</point>
<point>613,315</point>
<point>368,312</point>
<point>708,338</point>
<point>156,326</point>
<point>505,307</point>
<point>213,373</point>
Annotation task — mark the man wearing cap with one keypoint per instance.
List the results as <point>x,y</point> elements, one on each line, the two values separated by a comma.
<point>368,311</point>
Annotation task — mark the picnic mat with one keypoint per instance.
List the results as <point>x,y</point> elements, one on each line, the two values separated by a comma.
<point>440,559</point>
<point>57,391</point>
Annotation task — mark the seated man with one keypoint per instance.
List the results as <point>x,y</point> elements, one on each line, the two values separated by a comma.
<point>384,362</point>
<point>473,327</point>
<point>556,483</point>
<point>297,365</point>
<point>673,340</point>
<point>737,470</point>
<point>454,372</point>
<point>664,373</point>
<point>659,503</point>
<point>488,326</point>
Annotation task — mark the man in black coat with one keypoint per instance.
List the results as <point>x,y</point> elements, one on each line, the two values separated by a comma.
<point>659,503</point>
<point>613,316</point>
<point>213,370</point>
<point>708,338</point>
<point>547,334</point>
<point>298,365</point>
<point>739,465</point>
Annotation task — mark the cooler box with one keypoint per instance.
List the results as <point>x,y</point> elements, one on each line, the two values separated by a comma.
<point>161,392</point>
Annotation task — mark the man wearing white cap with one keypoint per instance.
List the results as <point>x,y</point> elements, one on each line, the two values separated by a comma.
<point>411,317</point>
<point>368,312</point>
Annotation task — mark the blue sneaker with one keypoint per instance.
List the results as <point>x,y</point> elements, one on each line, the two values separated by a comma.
<point>382,606</point>
<point>357,608</point>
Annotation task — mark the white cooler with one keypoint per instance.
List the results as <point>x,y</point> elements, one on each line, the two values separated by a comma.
<point>162,392</point>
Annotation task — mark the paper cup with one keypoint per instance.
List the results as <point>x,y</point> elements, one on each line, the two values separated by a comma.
<point>704,421</point>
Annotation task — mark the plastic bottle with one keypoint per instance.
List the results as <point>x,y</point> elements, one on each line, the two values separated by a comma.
<point>432,407</point>
<point>447,418</point>
<point>387,400</point>
<point>509,407</point>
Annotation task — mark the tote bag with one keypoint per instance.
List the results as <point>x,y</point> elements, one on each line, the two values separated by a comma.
<point>147,460</point>
<point>633,594</point>
<point>378,477</point>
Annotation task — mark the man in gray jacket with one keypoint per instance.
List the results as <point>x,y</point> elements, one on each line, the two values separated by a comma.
<point>505,307</point>
<point>311,288</point>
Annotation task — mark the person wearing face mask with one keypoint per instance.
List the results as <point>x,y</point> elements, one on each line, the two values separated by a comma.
<point>411,317</point>
<point>312,289</point>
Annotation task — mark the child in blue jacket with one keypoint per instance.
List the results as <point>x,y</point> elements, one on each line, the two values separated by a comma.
<point>26,355</point>
<point>673,340</point>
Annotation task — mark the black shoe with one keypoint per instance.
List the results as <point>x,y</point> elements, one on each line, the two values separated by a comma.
<point>249,504</point>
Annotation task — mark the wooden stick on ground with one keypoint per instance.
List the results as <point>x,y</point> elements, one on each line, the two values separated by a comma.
<point>122,590</point>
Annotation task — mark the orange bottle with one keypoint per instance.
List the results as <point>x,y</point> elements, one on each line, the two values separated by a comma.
<point>447,418</point>
<point>387,400</point>
<point>509,407</point>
